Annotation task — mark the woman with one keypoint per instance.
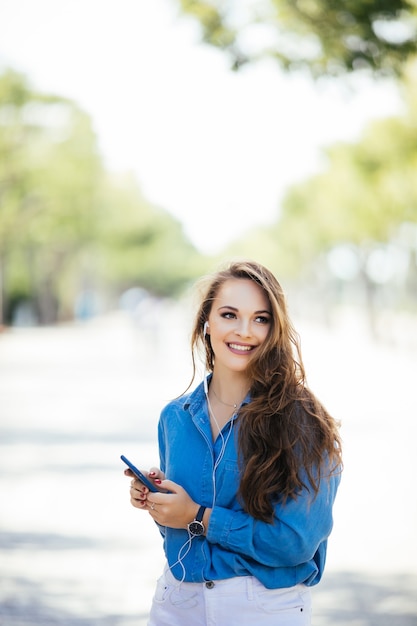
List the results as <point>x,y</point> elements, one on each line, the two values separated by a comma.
<point>252,461</point>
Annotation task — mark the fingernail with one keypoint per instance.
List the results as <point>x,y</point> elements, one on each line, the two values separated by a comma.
<point>157,481</point>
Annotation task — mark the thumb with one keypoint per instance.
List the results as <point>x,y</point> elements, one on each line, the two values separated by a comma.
<point>170,486</point>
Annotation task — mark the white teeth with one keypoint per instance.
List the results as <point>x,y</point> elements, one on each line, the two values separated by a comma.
<point>235,346</point>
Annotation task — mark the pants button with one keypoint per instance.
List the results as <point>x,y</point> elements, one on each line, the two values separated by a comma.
<point>210,584</point>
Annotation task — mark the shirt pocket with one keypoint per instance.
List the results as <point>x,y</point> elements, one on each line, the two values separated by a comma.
<point>226,482</point>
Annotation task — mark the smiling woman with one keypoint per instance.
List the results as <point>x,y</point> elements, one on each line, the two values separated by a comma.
<point>237,329</point>
<point>250,463</point>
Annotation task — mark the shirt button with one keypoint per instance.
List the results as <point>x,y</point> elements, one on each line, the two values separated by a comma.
<point>210,584</point>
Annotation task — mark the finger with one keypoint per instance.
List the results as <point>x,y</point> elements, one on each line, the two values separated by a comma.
<point>155,510</point>
<point>138,504</point>
<point>139,494</point>
<point>139,486</point>
<point>151,505</point>
<point>170,486</point>
<point>156,473</point>
<point>137,498</point>
<point>138,489</point>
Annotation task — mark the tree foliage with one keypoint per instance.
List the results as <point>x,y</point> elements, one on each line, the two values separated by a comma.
<point>65,223</point>
<point>140,244</point>
<point>36,233</point>
<point>329,37</point>
<point>364,194</point>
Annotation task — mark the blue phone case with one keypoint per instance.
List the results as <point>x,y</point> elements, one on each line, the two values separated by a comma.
<point>139,474</point>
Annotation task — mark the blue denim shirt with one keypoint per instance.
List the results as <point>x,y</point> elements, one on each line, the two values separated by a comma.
<point>292,550</point>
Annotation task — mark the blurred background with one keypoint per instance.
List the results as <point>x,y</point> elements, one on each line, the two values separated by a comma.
<point>141,145</point>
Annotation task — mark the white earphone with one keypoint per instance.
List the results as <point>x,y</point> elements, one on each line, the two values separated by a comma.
<point>206,325</point>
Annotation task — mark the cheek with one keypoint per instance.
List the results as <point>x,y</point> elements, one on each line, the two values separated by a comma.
<point>217,329</point>
<point>216,338</point>
<point>263,333</point>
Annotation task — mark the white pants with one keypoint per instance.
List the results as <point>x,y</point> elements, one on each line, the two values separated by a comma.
<point>240,601</point>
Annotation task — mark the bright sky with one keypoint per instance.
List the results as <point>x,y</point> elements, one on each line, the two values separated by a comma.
<point>215,148</point>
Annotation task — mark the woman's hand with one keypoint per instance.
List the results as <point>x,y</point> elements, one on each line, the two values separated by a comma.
<point>138,491</point>
<point>174,509</point>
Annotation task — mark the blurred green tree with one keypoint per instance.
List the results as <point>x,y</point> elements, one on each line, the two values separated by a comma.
<point>328,37</point>
<point>48,173</point>
<point>66,225</point>
<point>366,191</point>
<point>140,244</point>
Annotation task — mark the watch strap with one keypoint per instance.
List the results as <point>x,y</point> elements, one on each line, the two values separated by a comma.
<point>200,513</point>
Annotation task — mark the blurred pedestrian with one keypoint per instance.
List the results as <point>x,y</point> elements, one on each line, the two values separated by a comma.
<point>250,462</point>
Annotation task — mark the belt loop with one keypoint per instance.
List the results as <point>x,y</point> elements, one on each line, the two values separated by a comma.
<point>249,587</point>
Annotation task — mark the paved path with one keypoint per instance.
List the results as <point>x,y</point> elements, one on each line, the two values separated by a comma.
<point>73,552</point>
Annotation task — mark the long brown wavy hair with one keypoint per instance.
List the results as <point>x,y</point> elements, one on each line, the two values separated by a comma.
<point>286,439</point>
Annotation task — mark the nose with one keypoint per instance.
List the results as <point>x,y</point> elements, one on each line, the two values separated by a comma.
<point>243,328</point>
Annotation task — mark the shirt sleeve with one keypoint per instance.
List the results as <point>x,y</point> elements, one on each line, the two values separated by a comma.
<point>299,527</point>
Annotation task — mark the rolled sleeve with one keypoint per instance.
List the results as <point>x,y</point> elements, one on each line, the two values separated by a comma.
<point>299,527</point>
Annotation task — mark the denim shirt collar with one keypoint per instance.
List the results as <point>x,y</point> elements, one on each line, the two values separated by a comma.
<point>197,403</point>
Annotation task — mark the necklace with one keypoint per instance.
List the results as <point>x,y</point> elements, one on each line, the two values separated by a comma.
<point>212,415</point>
<point>234,406</point>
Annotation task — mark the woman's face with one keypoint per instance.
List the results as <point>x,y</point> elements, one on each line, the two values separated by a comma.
<point>239,322</point>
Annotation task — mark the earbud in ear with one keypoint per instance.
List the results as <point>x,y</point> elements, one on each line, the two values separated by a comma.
<point>205,327</point>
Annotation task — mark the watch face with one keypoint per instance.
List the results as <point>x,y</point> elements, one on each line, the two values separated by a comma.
<point>196,528</point>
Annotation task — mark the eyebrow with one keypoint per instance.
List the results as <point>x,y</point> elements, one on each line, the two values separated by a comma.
<point>233,308</point>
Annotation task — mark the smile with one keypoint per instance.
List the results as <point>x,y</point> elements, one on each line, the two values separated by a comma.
<point>239,348</point>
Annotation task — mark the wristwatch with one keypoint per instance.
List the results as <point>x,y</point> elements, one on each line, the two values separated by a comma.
<point>196,528</point>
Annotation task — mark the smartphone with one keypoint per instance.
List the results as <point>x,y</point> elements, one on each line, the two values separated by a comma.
<point>139,475</point>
